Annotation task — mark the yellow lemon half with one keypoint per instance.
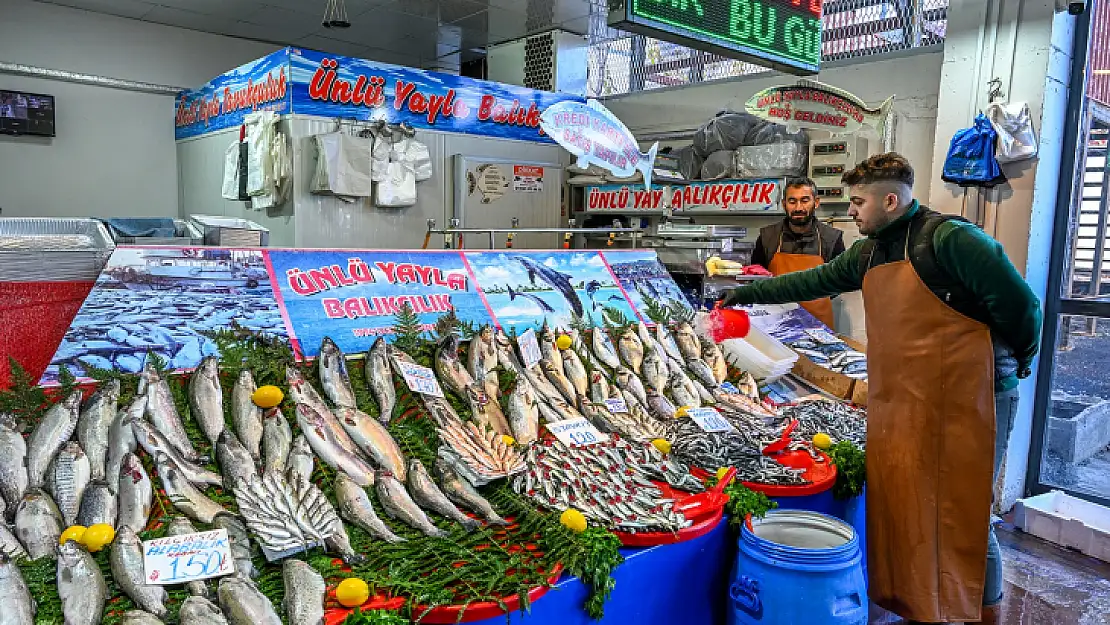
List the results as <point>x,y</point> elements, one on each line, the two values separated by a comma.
<point>563,342</point>
<point>573,519</point>
<point>822,440</point>
<point>73,532</point>
<point>663,445</point>
<point>352,592</point>
<point>98,537</point>
<point>267,396</point>
<point>682,412</point>
<point>721,473</point>
<point>508,440</point>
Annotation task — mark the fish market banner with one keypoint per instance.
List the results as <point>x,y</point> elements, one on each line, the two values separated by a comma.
<point>732,195</point>
<point>818,106</point>
<point>595,135</point>
<point>224,102</point>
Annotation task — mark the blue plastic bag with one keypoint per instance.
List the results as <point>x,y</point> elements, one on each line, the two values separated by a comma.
<point>971,161</point>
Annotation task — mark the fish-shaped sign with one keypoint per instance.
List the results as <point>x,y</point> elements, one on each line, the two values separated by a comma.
<point>593,134</point>
<point>810,104</point>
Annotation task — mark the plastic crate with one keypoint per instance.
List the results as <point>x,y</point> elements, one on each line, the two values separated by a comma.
<point>186,233</point>
<point>1067,521</point>
<point>231,231</point>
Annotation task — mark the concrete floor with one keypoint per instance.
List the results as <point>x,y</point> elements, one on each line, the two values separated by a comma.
<point>1045,585</point>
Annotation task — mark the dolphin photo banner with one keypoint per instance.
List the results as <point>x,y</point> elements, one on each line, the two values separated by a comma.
<point>170,300</point>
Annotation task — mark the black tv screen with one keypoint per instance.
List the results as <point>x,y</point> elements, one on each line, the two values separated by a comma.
<point>23,113</point>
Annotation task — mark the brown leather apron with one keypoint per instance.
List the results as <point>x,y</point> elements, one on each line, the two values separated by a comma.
<point>930,449</point>
<point>789,263</point>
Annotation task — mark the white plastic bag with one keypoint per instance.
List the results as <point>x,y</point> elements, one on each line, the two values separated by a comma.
<point>379,159</point>
<point>1017,140</point>
<point>416,154</point>
<point>342,165</point>
<point>231,172</point>
<point>399,187</point>
<point>261,128</point>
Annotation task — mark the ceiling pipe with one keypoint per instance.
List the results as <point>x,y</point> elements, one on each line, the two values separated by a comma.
<point>31,71</point>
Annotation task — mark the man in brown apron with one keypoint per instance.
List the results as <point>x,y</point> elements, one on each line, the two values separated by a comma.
<point>799,241</point>
<point>951,325</point>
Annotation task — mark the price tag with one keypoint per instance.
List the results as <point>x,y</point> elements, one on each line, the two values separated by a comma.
<point>421,379</point>
<point>726,246</point>
<point>186,558</point>
<point>616,405</point>
<point>822,336</point>
<point>576,432</point>
<point>709,420</point>
<point>529,348</point>
<point>729,388</point>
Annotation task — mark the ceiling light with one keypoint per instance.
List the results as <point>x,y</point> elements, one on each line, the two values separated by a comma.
<point>335,15</point>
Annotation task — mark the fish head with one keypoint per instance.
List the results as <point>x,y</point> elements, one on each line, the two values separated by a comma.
<point>72,401</point>
<point>70,552</point>
<point>209,367</point>
<point>111,390</point>
<point>415,466</point>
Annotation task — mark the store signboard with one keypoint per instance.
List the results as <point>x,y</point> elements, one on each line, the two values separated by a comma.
<point>780,34</point>
<point>224,101</point>
<point>743,196</point>
<point>816,106</point>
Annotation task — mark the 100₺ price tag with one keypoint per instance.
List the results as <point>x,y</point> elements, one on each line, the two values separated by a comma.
<point>421,379</point>
<point>186,558</point>
<point>529,348</point>
<point>576,432</point>
<point>709,420</point>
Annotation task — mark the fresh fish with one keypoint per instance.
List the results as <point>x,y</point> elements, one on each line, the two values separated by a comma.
<point>354,506</point>
<point>559,381</point>
<point>712,355</point>
<point>284,516</point>
<point>687,341</point>
<point>38,524</point>
<point>603,348</point>
<point>206,398</point>
<point>154,443</point>
<point>121,439</point>
<point>332,444</point>
<point>575,372</point>
<point>626,380</point>
<point>398,505</point>
<point>98,505</point>
<point>139,617</point>
<point>244,604</point>
<point>702,371</point>
<point>126,559</point>
<point>301,462</point>
<point>483,355</point>
<point>538,379</point>
<point>81,585</point>
<point>461,492</point>
<point>654,372</point>
<point>55,428</point>
<point>16,605</point>
<point>277,440</point>
<point>486,410</point>
<point>380,379</point>
<point>425,493</point>
<point>748,386</point>
<point>548,413</point>
<point>560,281</point>
<point>10,546</point>
<point>180,526</point>
<point>246,416</point>
<point>69,476</point>
<point>197,610</point>
<point>373,439</point>
<point>660,407</point>
<point>183,495</point>
<point>644,334</point>
<point>599,387</point>
<point>304,593</point>
<point>631,349</point>
<point>163,413</point>
<point>666,339</point>
<point>707,398</point>
<point>539,301</point>
<point>333,374</point>
<point>94,425</point>
<point>234,460</point>
<point>13,468</point>
<point>680,392</point>
<point>449,369</point>
<point>524,417</point>
<point>600,416</point>
<point>506,357</point>
<point>548,349</point>
<point>240,543</point>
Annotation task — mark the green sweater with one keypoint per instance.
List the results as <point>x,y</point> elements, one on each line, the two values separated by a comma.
<point>963,251</point>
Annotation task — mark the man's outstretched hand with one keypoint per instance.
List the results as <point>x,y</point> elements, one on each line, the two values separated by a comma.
<point>731,298</point>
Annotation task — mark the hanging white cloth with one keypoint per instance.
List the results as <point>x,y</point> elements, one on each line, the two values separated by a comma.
<point>343,165</point>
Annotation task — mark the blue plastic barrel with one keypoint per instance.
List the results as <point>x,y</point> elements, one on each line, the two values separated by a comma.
<point>795,567</point>
<point>822,502</point>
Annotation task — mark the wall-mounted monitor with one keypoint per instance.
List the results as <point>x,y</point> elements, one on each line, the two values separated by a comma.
<point>23,113</point>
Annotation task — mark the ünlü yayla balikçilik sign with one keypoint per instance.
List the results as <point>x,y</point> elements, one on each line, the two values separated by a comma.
<point>818,106</point>
<point>593,134</point>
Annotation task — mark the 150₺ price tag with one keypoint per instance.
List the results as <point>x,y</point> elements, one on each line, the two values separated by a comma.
<point>709,420</point>
<point>529,348</point>
<point>616,405</point>
<point>186,558</point>
<point>576,432</point>
<point>421,379</point>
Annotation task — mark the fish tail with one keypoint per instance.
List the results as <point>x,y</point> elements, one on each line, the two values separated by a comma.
<point>512,293</point>
<point>647,164</point>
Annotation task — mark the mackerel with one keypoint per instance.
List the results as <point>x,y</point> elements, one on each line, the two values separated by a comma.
<point>94,425</point>
<point>180,526</point>
<point>55,428</point>
<point>333,374</point>
<point>16,605</point>
<point>126,559</point>
<point>69,475</point>
<point>81,585</point>
<point>304,593</point>
<point>245,415</point>
<point>332,443</point>
<point>428,496</point>
<point>38,524</point>
<point>398,505</point>
<point>354,506</point>
<point>162,411</point>
<point>277,440</point>
<point>206,398</point>
<point>461,492</point>
<point>373,439</point>
<point>136,495</point>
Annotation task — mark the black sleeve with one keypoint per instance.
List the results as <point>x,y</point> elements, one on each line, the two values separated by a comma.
<point>759,255</point>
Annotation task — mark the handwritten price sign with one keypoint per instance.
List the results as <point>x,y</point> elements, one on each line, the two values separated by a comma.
<point>616,405</point>
<point>729,388</point>
<point>179,559</point>
<point>421,379</point>
<point>576,432</point>
<point>709,420</point>
<point>529,348</point>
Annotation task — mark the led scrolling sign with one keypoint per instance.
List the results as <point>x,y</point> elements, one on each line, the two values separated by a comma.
<point>781,34</point>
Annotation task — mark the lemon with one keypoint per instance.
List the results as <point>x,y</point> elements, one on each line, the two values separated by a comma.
<point>73,532</point>
<point>663,445</point>
<point>822,440</point>
<point>352,592</point>
<point>508,440</point>
<point>267,396</point>
<point>563,342</point>
<point>682,412</point>
<point>98,537</point>
<point>573,519</point>
<point>721,473</point>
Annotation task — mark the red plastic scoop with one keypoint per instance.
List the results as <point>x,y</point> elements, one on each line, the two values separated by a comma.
<point>712,499</point>
<point>727,323</point>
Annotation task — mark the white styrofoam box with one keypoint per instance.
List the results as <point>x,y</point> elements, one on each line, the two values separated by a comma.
<point>760,354</point>
<point>1068,521</point>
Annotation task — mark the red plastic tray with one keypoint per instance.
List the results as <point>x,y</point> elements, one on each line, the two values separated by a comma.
<point>445,614</point>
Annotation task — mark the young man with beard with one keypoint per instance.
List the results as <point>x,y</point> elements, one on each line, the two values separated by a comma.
<point>951,326</point>
<point>799,241</point>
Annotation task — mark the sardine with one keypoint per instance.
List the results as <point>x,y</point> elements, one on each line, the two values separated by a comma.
<point>163,413</point>
<point>136,495</point>
<point>332,444</point>
<point>55,428</point>
<point>121,439</point>
<point>301,462</point>
<point>631,349</point>
<point>576,373</point>
<point>373,439</point>
<point>277,440</point>
<point>702,371</point>
<point>244,604</point>
<point>81,586</point>
<point>354,506</point>
<point>246,416</point>
<point>68,477</point>
<point>398,505</point>
<point>38,524</point>
<point>240,543</point>
<point>664,337</point>
<point>197,610</point>
<point>180,526</point>
<point>688,344</point>
<point>183,495</point>
<point>94,424</point>
<point>599,387</point>
<point>428,496</point>
<point>126,559</point>
<point>151,440</point>
<point>139,617</point>
<point>9,545</point>
<point>379,377</point>
<point>206,398</point>
<point>16,605</point>
<point>304,593</point>
<point>712,355</point>
<point>333,374</point>
<point>626,380</point>
<point>13,468</point>
<point>559,381</point>
<point>461,492</point>
<point>234,460</point>
<point>603,348</point>
<point>98,505</point>
<point>485,409</point>
<point>449,369</point>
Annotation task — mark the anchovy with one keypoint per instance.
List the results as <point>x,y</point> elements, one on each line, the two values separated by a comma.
<point>13,468</point>
<point>246,416</point>
<point>121,439</point>
<point>206,398</point>
<point>10,547</point>
<point>449,369</point>
<point>576,373</point>
<point>304,593</point>
<point>277,440</point>
<point>603,348</point>
<point>183,495</point>
<point>333,374</point>
<point>163,413</point>
<point>379,377</point>
<point>461,492</point>
<point>301,462</point>
<point>139,617</point>
<point>50,434</point>
<point>244,604</point>
<point>398,505</point>
<point>126,558</point>
<point>428,496</point>
<point>664,337</point>
<point>539,301</point>
<point>98,506</point>
<point>373,439</point>
<point>38,524</point>
<point>68,477</point>
<point>240,544</point>
<point>354,506</point>
<point>151,440</point>
<point>235,461</point>
<point>560,281</point>
<point>94,424</point>
<point>197,610</point>
<point>81,585</point>
<point>180,526</point>
<point>16,606</point>
<point>332,444</point>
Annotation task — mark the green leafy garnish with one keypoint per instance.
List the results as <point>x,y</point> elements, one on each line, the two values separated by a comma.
<point>851,469</point>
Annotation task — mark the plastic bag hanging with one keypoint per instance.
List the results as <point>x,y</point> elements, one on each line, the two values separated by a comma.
<point>398,189</point>
<point>970,161</point>
<point>342,165</point>
<point>379,153</point>
<point>231,172</point>
<point>1017,141</point>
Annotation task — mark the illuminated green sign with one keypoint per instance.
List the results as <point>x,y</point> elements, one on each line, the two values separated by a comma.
<point>783,34</point>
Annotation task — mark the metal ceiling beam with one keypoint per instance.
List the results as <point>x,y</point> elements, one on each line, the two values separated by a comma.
<point>31,71</point>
